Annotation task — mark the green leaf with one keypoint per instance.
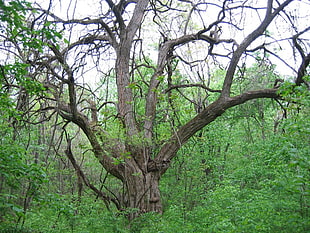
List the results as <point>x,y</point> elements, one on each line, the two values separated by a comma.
<point>66,41</point>
<point>160,78</point>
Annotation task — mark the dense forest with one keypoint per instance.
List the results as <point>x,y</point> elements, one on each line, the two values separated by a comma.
<point>155,116</point>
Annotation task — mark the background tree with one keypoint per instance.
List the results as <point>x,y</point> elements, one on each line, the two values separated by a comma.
<point>123,117</point>
<point>21,177</point>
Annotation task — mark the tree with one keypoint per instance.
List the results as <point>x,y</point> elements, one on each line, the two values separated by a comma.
<point>123,131</point>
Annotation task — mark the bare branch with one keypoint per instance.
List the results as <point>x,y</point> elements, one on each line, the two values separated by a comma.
<point>247,41</point>
<point>116,13</point>
<point>305,59</point>
<point>191,85</point>
<point>86,181</point>
<point>109,37</point>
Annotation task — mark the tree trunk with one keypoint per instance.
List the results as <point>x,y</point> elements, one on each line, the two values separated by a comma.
<point>142,192</point>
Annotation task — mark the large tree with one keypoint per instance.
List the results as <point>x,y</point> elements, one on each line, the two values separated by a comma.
<point>116,42</point>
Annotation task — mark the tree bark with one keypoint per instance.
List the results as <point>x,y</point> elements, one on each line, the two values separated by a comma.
<point>143,193</point>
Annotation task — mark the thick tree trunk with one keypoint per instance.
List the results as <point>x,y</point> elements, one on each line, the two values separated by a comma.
<point>142,194</point>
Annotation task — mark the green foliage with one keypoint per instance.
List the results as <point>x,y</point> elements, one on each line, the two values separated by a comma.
<point>20,179</point>
<point>299,95</point>
<point>224,182</point>
<point>16,28</point>
<point>14,12</point>
<point>14,19</point>
<point>61,213</point>
<point>220,182</point>
<point>16,173</point>
<point>19,72</point>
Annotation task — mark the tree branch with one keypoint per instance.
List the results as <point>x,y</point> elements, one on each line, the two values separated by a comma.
<point>117,14</point>
<point>209,114</point>
<point>82,175</point>
<point>81,120</point>
<point>110,36</point>
<point>191,85</point>
<point>246,42</point>
<point>86,40</point>
<point>305,60</point>
<point>151,99</point>
<point>136,19</point>
<point>302,71</point>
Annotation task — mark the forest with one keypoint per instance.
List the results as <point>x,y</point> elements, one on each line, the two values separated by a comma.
<point>163,116</point>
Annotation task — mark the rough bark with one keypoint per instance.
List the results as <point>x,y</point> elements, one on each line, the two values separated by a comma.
<point>143,193</point>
